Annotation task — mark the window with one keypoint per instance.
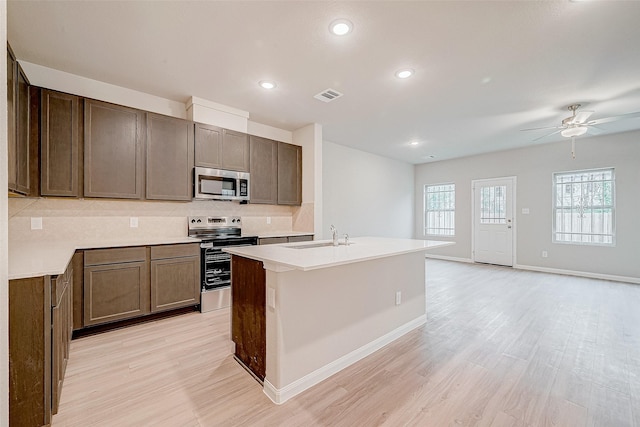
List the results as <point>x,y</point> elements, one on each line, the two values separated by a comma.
<point>584,207</point>
<point>439,209</point>
<point>493,205</point>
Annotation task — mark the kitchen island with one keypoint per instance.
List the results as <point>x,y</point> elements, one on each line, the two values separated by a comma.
<point>304,311</point>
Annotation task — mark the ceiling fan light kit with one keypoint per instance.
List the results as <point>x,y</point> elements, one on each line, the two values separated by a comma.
<point>574,131</point>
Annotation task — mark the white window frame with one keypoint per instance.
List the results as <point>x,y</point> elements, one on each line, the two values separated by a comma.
<point>425,211</point>
<point>612,207</point>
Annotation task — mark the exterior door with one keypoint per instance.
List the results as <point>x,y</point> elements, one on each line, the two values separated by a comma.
<point>493,220</point>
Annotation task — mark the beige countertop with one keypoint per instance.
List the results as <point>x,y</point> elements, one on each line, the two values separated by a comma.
<point>42,258</point>
<point>322,254</point>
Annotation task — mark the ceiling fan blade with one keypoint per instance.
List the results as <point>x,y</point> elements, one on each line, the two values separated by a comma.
<point>614,118</point>
<point>547,135</point>
<point>546,127</point>
<point>594,130</point>
<point>582,116</point>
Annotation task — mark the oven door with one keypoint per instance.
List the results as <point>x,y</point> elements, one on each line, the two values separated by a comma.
<point>216,264</point>
<point>216,268</point>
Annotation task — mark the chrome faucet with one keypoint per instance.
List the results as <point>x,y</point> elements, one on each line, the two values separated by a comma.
<point>334,235</point>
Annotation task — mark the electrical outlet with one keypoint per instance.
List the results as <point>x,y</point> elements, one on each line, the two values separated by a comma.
<point>398,297</point>
<point>36,223</point>
<point>268,220</point>
<point>544,254</point>
<point>133,222</point>
<point>525,211</point>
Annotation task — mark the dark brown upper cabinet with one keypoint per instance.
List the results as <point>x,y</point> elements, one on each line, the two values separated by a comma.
<point>289,174</point>
<point>60,151</point>
<point>12,79</point>
<point>235,150</point>
<point>113,151</point>
<point>169,158</point>
<point>264,170</point>
<point>220,148</point>
<point>18,126</point>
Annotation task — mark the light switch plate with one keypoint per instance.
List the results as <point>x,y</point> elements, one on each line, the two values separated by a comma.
<point>36,223</point>
<point>271,298</point>
<point>525,211</point>
<point>133,222</point>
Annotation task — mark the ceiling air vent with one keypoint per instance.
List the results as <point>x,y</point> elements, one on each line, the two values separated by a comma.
<point>328,95</point>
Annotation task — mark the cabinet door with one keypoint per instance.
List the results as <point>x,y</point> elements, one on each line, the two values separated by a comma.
<point>23,127</point>
<point>289,174</point>
<point>169,158</point>
<point>113,156</point>
<point>264,170</point>
<point>175,283</point>
<point>30,351</point>
<point>115,292</point>
<point>235,151</point>
<point>208,146</point>
<point>248,316</point>
<point>11,120</point>
<point>62,328</point>
<point>60,144</point>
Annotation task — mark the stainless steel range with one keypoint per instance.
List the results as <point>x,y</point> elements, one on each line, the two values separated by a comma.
<point>216,233</point>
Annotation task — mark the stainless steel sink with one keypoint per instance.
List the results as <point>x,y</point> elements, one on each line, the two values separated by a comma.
<point>315,245</point>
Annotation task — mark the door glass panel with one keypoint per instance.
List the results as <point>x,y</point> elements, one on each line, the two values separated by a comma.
<point>493,204</point>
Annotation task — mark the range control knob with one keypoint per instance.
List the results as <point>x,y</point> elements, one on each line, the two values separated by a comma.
<point>193,221</point>
<point>199,221</point>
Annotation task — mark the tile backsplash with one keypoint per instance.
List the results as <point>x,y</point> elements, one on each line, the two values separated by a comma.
<point>94,218</point>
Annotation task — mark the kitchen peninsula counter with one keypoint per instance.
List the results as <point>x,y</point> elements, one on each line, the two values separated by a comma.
<point>303,311</point>
<point>33,258</point>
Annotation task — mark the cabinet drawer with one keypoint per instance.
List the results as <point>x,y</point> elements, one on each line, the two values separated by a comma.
<point>300,238</point>
<point>175,251</point>
<point>115,255</point>
<point>272,240</point>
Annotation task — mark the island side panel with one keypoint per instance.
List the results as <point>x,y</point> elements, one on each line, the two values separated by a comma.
<point>248,313</point>
<point>323,315</point>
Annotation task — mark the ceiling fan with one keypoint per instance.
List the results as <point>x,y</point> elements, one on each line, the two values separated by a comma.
<point>578,124</point>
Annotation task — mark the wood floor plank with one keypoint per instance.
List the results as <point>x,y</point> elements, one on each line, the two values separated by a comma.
<point>501,347</point>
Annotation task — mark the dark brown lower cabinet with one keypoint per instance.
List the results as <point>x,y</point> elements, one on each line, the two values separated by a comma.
<point>116,284</point>
<point>30,351</point>
<point>248,318</point>
<point>125,283</point>
<point>62,328</point>
<point>175,276</point>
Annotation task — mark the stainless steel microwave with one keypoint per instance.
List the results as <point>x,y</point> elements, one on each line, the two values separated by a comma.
<point>218,184</point>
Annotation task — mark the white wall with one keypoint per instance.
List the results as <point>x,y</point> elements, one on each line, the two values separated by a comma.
<point>533,166</point>
<point>366,195</point>
<point>4,243</point>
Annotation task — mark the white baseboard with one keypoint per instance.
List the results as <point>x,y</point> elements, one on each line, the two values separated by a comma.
<point>449,258</point>
<point>626,279</point>
<point>280,396</point>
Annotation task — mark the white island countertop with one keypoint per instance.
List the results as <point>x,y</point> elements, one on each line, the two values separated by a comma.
<point>322,254</point>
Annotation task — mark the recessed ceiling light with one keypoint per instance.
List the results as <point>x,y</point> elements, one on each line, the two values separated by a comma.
<point>405,73</point>
<point>267,84</point>
<point>414,143</point>
<point>341,27</point>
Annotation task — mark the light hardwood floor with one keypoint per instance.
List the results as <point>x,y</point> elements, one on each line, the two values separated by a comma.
<point>501,347</point>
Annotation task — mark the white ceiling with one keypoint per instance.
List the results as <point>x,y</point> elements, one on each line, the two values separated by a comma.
<point>484,69</point>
